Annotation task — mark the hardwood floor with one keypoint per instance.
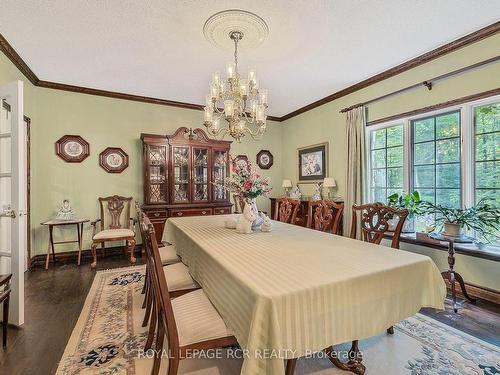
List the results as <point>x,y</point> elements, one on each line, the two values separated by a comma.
<point>54,299</point>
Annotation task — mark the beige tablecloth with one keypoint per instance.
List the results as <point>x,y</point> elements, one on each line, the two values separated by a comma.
<point>297,290</point>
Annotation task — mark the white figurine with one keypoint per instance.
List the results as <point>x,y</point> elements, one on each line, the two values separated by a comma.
<point>245,223</point>
<point>267,224</point>
<point>317,192</point>
<point>230,223</point>
<point>295,193</point>
<point>65,212</point>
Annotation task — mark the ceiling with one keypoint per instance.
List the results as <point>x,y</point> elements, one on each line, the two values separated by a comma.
<point>156,48</point>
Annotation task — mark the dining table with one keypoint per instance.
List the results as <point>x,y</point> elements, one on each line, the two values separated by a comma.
<point>294,291</point>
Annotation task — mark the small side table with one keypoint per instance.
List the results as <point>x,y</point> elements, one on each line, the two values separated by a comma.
<point>79,231</point>
<point>451,275</point>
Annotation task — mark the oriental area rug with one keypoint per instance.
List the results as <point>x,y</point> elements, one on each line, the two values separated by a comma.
<point>108,339</point>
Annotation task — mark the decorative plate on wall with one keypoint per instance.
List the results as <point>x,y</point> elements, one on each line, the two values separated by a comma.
<point>265,159</point>
<point>113,160</point>
<point>240,160</point>
<point>72,148</point>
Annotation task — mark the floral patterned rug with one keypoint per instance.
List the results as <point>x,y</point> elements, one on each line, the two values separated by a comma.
<point>108,340</point>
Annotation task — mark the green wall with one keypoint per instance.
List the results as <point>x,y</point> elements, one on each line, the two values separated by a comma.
<point>107,122</point>
<point>103,122</point>
<point>325,123</point>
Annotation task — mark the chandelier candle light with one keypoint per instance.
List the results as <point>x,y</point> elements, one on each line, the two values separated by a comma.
<point>238,100</point>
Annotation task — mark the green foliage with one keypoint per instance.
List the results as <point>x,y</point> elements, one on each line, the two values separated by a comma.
<point>410,201</point>
<point>484,217</point>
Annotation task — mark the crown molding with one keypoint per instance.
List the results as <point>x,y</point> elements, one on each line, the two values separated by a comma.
<point>455,45</point>
<point>410,64</point>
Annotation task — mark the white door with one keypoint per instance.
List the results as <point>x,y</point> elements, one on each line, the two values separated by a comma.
<point>13,174</point>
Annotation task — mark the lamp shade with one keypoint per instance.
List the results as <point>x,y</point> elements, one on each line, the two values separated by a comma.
<point>329,182</point>
<point>286,183</point>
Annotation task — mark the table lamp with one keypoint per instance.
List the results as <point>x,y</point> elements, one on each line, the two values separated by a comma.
<point>329,183</point>
<point>287,184</point>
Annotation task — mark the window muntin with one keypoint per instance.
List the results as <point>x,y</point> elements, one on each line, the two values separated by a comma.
<point>386,162</point>
<point>487,152</point>
<point>436,158</point>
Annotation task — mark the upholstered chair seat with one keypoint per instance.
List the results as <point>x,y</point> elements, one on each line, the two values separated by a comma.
<point>196,319</point>
<point>178,277</point>
<point>168,255</point>
<point>110,234</point>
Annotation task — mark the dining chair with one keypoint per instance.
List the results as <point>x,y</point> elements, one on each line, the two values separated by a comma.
<point>376,221</point>
<point>285,210</point>
<point>239,203</point>
<point>190,322</point>
<point>177,275</point>
<point>4,299</point>
<point>113,208</point>
<point>325,216</point>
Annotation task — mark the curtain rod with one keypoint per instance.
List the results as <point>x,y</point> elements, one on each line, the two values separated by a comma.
<point>427,83</point>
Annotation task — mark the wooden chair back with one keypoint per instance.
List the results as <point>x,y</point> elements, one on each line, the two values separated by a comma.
<point>239,203</point>
<point>285,210</point>
<point>116,209</point>
<point>375,224</point>
<point>325,215</point>
<point>160,288</point>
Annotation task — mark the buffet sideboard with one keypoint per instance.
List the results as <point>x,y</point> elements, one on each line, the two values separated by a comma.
<point>179,175</point>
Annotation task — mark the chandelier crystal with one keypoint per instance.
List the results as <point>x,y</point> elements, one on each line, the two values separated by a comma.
<point>239,101</point>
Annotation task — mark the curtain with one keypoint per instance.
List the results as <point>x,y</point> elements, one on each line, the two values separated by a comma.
<point>355,164</point>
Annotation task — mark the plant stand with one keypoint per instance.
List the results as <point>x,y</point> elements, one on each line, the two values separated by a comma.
<point>451,275</point>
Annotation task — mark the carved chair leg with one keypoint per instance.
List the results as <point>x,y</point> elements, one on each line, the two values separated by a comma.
<point>173,365</point>
<point>5,320</point>
<point>290,366</point>
<point>390,330</point>
<point>132,247</point>
<point>94,255</point>
<point>353,364</point>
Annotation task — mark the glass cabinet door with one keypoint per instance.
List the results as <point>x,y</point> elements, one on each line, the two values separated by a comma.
<point>180,163</point>
<point>157,174</point>
<point>200,174</point>
<point>220,172</point>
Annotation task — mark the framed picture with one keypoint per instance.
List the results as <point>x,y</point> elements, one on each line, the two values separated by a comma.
<point>313,162</point>
<point>72,148</point>
<point>264,159</point>
<point>240,160</point>
<point>113,160</point>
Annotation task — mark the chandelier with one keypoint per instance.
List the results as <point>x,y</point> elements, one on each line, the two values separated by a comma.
<point>239,101</point>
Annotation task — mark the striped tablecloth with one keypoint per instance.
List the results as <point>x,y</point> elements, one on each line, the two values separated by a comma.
<point>297,290</point>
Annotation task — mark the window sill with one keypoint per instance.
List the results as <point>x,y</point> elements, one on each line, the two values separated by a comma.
<point>490,253</point>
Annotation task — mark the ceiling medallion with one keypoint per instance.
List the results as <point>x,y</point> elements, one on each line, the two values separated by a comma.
<point>238,100</point>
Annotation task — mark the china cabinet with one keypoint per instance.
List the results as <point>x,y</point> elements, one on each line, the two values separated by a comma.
<point>179,175</point>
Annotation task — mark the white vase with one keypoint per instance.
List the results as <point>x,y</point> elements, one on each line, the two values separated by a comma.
<point>258,219</point>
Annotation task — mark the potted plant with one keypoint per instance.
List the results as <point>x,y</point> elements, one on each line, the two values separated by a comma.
<point>483,217</point>
<point>409,201</point>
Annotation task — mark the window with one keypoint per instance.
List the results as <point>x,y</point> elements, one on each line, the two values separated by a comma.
<point>436,158</point>
<point>386,155</point>
<point>487,152</point>
<point>451,156</point>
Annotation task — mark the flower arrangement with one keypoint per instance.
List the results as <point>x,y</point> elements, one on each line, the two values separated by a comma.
<point>246,182</point>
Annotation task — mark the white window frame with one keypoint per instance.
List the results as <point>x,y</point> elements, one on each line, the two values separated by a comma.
<point>467,147</point>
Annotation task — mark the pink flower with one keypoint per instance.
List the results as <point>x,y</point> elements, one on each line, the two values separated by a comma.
<point>247,185</point>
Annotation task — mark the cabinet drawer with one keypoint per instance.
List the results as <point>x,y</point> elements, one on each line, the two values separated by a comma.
<point>156,214</point>
<point>222,211</point>
<point>191,212</point>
